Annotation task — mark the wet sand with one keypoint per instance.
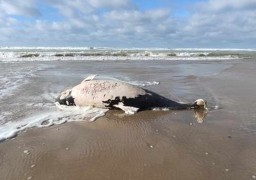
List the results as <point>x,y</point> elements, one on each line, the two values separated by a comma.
<point>149,144</point>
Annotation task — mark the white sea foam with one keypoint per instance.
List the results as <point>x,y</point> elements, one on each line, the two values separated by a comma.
<point>116,58</point>
<point>144,83</point>
<point>161,109</point>
<point>52,117</point>
<point>10,84</point>
<point>11,81</point>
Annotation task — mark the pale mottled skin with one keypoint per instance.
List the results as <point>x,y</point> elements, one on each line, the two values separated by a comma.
<point>95,92</point>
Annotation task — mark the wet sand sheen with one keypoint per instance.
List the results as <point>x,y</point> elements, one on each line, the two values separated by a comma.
<point>150,144</point>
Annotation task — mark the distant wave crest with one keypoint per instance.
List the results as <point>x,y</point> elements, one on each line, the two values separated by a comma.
<point>104,54</point>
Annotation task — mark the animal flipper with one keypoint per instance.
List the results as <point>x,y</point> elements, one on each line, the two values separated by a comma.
<point>90,77</point>
<point>127,109</point>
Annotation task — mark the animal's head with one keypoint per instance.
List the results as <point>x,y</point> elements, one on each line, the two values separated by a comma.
<point>200,104</point>
<point>65,98</point>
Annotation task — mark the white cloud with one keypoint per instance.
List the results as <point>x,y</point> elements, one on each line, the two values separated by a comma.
<point>233,23</point>
<point>18,7</point>
<point>219,5</point>
<point>111,3</point>
<point>215,23</point>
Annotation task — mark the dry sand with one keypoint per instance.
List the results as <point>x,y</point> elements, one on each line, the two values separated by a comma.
<point>150,144</point>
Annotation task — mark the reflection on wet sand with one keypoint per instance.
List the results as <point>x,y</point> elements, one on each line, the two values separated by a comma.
<point>200,115</point>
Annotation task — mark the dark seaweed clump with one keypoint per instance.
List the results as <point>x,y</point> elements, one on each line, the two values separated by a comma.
<point>66,55</point>
<point>29,55</point>
<point>171,54</point>
<point>216,54</point>
<point>91,54</point>
<point>120,54</point>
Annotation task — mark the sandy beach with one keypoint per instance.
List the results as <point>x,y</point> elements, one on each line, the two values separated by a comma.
<point>147,145</point>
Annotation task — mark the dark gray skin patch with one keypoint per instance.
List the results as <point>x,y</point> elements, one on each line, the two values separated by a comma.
<point>61,101</point>
<point>68,101</point>
<point>111,102</point>
<point>148,101</point>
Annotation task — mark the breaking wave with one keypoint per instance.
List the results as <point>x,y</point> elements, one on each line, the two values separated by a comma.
<point>8,54</point>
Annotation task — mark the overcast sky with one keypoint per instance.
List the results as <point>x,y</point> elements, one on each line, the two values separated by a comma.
<point>129,23</point>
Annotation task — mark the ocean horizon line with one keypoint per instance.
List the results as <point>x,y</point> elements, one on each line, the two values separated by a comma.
<point>122,48</point>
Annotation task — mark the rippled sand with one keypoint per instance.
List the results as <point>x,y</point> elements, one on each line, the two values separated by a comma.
<point>149,144</point>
